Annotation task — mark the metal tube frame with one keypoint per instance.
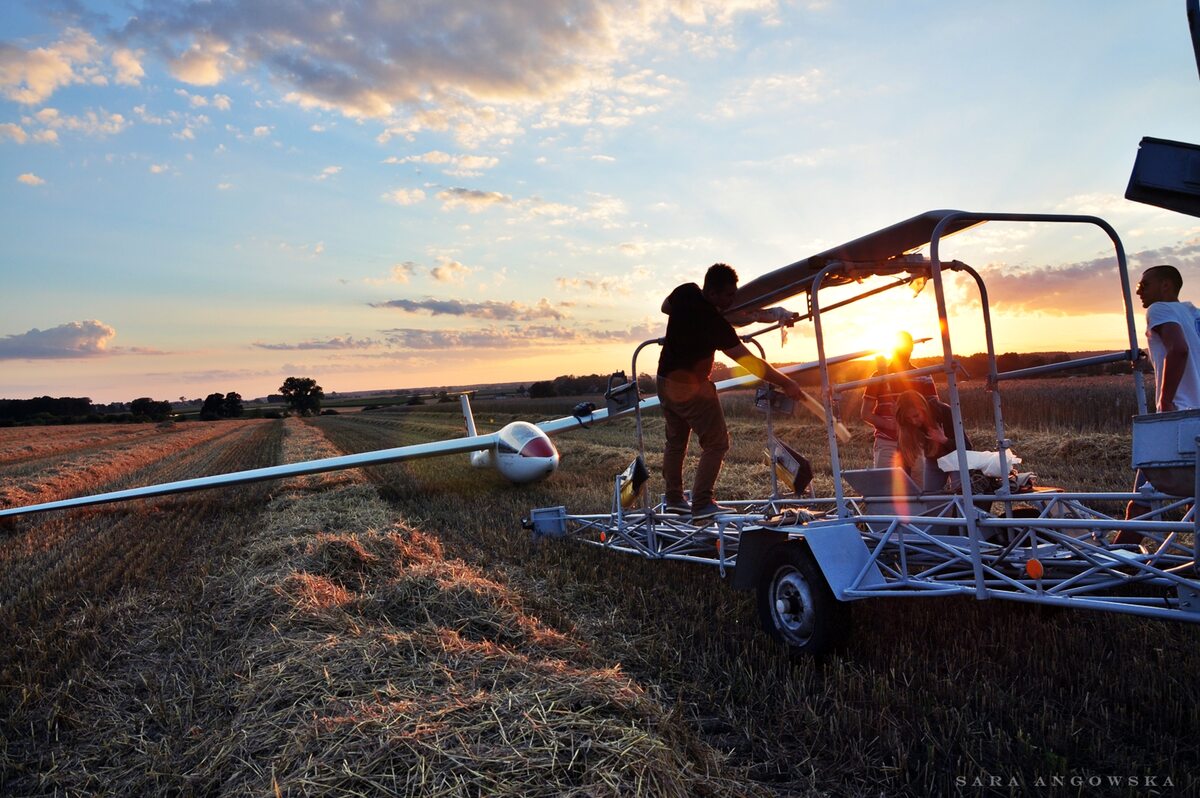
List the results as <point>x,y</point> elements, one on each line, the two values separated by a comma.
<point>952,546</point>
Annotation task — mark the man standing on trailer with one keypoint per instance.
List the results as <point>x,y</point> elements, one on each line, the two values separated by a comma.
<point>879,400</point>
<point>696,329</point>
<point>1173,339</point>
<point>1172,335</point>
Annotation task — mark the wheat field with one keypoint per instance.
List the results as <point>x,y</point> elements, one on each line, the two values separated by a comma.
<point>394,631</point>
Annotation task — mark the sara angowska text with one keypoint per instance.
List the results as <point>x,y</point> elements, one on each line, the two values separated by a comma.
<point>988,780</point>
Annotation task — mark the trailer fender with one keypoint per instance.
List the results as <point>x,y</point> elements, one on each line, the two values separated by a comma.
<point>838,549</point>
<point>753,546</point>
<point>843,556</point>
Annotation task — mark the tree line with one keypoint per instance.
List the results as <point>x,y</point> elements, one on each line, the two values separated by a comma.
<point>77,410</point>
<point>302,394</point>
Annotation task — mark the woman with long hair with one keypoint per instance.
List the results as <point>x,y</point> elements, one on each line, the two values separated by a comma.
<point>925,429</point>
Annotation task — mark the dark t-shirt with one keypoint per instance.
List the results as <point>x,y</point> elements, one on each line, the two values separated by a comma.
<point>695,331</point>
<point>944,416</point>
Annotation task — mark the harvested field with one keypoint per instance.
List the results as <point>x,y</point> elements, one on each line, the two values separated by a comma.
<point>392,631</point>
<point>21,443</point>
<point>62,470</point>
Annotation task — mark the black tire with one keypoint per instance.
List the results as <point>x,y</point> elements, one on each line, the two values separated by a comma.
<point>795,604</point>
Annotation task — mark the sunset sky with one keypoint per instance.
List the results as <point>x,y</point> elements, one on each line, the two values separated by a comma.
<point>212,196</point>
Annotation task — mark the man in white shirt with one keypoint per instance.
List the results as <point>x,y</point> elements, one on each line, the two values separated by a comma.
<point>1173,339</point>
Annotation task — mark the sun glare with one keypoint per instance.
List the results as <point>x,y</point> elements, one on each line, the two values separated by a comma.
<point>887,342</point>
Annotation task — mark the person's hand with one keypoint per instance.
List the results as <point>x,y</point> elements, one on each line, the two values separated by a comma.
<point>768,315</point>
<point>1166,407</point>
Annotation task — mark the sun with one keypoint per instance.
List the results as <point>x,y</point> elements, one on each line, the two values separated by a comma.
<point>888,342</point>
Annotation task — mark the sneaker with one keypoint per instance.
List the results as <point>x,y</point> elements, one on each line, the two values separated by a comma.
<point>709,510</point>
<point>681,507</point>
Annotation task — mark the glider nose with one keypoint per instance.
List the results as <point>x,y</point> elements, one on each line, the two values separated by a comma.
<point>538,447</point>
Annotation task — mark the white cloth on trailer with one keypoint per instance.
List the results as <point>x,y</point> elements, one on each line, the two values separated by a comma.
<point>987,462</point>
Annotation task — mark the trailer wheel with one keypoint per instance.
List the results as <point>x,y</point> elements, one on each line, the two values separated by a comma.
<point>795,604</point>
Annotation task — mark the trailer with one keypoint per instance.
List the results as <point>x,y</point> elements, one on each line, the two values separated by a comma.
<point>809,557</point>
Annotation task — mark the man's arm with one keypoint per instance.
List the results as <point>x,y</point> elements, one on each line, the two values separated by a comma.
<point>763,370</point>
<point>1174,363</point>
<point>870,404</point>
<point>763,316</point>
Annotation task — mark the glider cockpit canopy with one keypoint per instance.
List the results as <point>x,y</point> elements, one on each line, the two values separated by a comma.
<point>880,253</point>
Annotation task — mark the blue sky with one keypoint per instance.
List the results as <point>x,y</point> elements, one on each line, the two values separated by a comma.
<point>206,197</point>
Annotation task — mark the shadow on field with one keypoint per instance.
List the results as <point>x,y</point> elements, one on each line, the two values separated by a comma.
<point>927,696</point>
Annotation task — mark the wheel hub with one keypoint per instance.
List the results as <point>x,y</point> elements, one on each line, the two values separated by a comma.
<point>793,604</point>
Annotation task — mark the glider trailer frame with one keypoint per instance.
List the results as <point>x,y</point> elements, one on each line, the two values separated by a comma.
<point>809,557</point>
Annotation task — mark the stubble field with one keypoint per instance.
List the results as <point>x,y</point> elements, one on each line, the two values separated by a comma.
<point>393,631</point>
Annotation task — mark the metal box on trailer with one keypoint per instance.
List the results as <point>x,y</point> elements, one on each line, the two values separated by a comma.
<point>1164,440</point>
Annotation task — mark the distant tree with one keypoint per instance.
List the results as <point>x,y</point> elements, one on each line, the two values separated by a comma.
<point>302,395</point>
<point>1009,361</point>
<point>146,407</point>
<point>214,407</point>
<point>414,400</point>
<point>233,405</point>
<point>541,389</point>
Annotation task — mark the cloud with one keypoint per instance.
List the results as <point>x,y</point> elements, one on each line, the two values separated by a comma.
<point>514,337</point>
<point>602,285</point>
<point>128,66</point>
<point>490,309</point>
<point>449,271</point>
<point>328,171</point>
<point>471,199</point>
<point>30,179</point>
<point>345,342</point>
<point>400,273</point>
<point>1063,290</point>
<point>74,339</point>
<point>602,209</point>
<point>187,122</point>
<point>152,119</point>
<point>763,94</point>
<point>1095,203</point>
<point>262,131</point>
<point>195,100</point>
<point>1078,288</point>
<point>204,62</point>
<point>14,132</point>
<point>456,165</point>
<point>91,123</point>
<point>473,67</point>
<point>404,196</point>
<point>29,77</point>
